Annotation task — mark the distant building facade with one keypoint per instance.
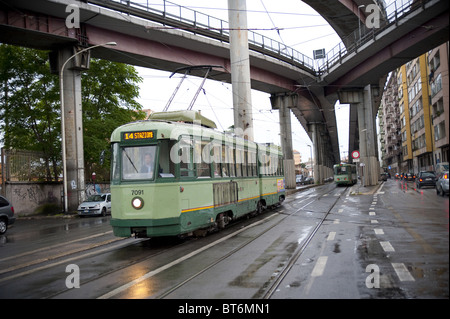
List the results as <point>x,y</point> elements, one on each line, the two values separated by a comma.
<point>414,114</point>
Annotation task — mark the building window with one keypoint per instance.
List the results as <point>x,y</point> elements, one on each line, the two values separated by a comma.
<point>436,85</point>
<point>439,131</point>
<point>438,107</point>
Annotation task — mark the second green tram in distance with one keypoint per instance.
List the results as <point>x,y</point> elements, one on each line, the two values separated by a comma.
<point>175,175</point>
<point>345,174</point>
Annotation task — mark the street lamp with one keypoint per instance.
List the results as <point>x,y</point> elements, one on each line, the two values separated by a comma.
<point>63,133</point>
<point>359,20</point>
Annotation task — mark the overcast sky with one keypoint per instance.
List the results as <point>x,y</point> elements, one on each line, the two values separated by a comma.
<point>291,22</point>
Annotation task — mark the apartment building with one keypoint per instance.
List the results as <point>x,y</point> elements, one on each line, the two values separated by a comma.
<point>389,121</point>
<point>414,114</point>
<point>439,95</point>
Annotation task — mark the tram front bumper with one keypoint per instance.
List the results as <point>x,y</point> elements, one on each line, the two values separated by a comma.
<point>146,227</point>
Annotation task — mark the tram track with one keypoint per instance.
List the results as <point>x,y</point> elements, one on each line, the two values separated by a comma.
<point>273,286</point>
<point>282,274</point>
<point>82,255</point>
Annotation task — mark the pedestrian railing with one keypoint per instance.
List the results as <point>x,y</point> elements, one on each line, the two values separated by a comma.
<point>171,15</point>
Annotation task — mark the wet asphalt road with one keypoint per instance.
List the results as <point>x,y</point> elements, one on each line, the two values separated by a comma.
<point>389,241</point>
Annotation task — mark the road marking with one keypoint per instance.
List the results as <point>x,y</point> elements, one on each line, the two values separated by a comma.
<point>320,266</point>
<point>331,235</point>
<point>387,247</point>
<point>179,260</point>
<point>340,210</point>
<point>371,208</point>
<point>374,203</point>
<point>402,272</point>
<point>336,221</point>
<point>374,221</point>
<point>379,231</point>
<point>372,213</point>
<point>379,190</point>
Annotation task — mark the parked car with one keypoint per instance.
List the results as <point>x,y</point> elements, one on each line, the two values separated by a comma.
<point>6,215</point>
<point>308,180</point>
<point>442,184</point>
<point>383,177</point>
<point>299,179</point>
<point>98,204</point>
<point>425,178</point>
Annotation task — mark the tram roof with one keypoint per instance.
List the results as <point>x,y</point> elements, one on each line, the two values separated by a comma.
<point>185,116</point>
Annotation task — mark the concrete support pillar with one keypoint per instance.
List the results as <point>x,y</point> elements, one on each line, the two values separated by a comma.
<point>73,122</point>
<point>367,139</point>
<point>283,103</point>
<point>240,68</point>
<point>317,150</point>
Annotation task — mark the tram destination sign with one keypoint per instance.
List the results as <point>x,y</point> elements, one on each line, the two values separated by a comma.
<point>141,135</point>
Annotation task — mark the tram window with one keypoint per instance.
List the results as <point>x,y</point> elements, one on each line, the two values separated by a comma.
<point>239,161</point>
<point>224,162</point>
<point>252,164</point>
<point>138,162</point>
<point>264,163</point>
<point>280,166</point>
<point>202,150</point>
<point>186,163</point>
<point>245,164</point>
<point>115,165</point>
<point>340,170</point>
<point>217,150</point>
<point>230,158</point>
<point>166,167</point>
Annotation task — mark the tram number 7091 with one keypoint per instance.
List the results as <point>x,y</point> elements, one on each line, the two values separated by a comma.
<point>137,192</point>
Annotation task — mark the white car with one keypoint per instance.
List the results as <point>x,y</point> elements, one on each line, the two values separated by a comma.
<point>97,204</point>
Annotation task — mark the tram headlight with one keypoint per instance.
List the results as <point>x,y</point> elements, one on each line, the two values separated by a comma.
<point>137,202</point>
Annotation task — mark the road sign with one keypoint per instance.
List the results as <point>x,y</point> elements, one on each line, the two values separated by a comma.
<point>355,154</point>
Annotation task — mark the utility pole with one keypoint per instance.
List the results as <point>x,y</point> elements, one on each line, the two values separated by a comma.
<point>240,69</point>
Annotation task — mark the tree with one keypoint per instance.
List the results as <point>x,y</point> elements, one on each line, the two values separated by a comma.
<point>109,91</point>
<point>30,106</point>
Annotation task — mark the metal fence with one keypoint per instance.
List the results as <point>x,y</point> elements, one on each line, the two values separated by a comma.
<point>25,166</point>
<point>176,16</point>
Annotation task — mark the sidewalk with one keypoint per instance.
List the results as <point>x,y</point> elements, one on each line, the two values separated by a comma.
<point>357,189</point>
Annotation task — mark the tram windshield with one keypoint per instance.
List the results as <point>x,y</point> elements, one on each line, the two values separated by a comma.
<point>339,170</point>
<point>138,162</point>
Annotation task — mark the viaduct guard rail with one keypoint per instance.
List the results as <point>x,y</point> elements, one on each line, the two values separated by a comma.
<point>172,15</point>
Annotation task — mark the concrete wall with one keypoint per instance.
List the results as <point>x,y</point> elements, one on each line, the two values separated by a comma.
<point>29,198</point>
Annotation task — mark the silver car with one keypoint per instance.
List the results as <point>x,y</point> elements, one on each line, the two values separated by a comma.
<point>97,204</point>
<point>6,215</point>
<point>442,184</point>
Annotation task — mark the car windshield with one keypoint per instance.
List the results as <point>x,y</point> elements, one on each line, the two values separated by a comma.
<point>95,198</point>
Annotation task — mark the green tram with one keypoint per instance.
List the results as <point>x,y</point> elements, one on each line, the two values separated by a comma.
<point>175,175</point>
<point>345,174</point>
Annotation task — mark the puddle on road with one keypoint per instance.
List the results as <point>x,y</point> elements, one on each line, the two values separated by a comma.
<point>304,233</point>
